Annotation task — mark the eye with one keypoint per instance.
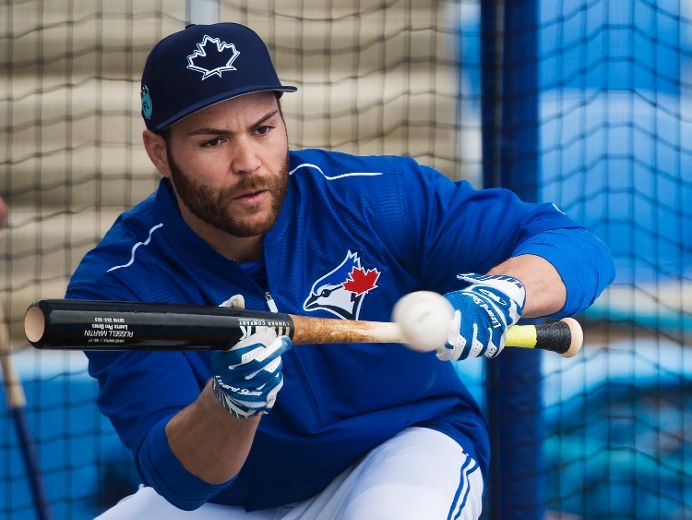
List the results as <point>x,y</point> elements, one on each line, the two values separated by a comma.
<point>212,143</point>
<point>263,130</point>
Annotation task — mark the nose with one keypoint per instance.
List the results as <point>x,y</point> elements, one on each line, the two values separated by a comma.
<point>245,158</point>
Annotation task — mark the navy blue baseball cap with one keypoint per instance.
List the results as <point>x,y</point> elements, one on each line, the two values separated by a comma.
<point>203,65</point>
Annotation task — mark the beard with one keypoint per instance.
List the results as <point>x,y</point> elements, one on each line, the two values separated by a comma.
<point>215,206</point>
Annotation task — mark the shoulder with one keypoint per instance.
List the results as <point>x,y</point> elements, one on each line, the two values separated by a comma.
<point>332,166</point>
<point>363,179</point>
<point>126,244</point>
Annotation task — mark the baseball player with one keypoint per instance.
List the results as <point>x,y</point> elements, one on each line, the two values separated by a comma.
<point>266,431</point>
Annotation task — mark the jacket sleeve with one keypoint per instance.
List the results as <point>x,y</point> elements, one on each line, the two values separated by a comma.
<point>455,229</point>
<point>582,260</point>
<point>140,392</point>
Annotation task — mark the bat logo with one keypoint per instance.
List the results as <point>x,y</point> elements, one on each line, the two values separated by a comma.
<point>341,290</point>
<point>247,329</point>
<point>214,59</point>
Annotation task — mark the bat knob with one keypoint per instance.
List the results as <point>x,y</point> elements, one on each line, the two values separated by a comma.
<point>576,334</point>
<point>34,323</point>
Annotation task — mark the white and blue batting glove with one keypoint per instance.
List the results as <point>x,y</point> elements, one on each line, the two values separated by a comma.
<point>483,312</point>
<point>247,378</point>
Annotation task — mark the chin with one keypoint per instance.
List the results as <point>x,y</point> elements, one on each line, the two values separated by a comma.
<point>250,226</point>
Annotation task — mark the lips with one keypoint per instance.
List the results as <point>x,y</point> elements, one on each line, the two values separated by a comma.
<point>251,197</point>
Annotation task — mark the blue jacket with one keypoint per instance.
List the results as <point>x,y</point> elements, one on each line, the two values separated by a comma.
<point>353,236</point>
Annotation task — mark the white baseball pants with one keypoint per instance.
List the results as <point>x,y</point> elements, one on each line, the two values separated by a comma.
<point>418,474</point>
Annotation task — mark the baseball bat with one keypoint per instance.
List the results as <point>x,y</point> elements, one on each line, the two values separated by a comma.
<point>16,402</point>
<point>111,325</point>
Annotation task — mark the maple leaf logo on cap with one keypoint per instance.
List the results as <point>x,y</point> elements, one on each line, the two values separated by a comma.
<point>214,59</point>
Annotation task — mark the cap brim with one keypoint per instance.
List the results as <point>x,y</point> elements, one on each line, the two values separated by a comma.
<point>225,96</point>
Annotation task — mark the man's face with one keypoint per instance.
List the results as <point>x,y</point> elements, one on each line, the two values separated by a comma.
<point>229,163</point>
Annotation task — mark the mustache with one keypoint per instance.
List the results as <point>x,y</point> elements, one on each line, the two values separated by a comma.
<point>249,185</point>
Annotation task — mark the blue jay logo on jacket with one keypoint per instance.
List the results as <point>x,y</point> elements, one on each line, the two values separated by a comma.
<point>214,59</point>
<point>341,290</point>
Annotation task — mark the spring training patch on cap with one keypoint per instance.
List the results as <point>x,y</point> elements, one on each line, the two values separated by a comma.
<point>214,59</point>
<point>147,107</point>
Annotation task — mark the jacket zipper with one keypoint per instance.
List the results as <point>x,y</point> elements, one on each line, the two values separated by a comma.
<point>271,304</point>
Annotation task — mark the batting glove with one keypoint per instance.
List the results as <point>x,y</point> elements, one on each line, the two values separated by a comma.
<point>247,378</point>
<point>483,312</point>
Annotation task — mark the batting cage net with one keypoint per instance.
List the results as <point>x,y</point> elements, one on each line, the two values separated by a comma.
<point>608,84</point>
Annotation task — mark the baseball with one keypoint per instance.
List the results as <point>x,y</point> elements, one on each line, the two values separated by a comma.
<point>424,318</point>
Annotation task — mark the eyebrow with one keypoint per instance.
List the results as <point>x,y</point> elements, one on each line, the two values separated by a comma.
<point>217,131</point>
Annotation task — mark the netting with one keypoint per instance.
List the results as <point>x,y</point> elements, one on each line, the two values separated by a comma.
<point>391,76</point>
<point>70,162</point>
<point>616,155</point>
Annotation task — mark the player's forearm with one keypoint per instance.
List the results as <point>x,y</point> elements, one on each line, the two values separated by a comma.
<point>208,441</point>
<point>545,291</point>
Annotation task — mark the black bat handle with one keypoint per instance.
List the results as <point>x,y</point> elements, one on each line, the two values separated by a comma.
<point>105,325</point>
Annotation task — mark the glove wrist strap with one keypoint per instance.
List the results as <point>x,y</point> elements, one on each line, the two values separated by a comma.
<point>228,403</point>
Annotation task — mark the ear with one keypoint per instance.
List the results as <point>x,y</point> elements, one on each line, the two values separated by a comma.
<point>155,145</point>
